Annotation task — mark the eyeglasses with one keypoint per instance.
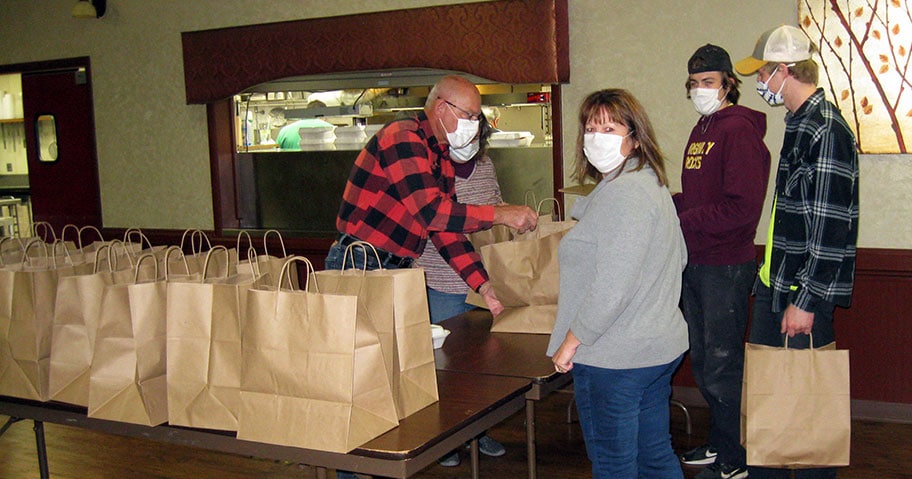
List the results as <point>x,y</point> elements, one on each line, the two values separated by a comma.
<point>469,115</point>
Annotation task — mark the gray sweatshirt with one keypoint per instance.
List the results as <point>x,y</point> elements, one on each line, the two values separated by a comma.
<point>620,276</point>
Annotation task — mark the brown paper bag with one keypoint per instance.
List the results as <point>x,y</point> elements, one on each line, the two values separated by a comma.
<point>525,276</point>
<point>265,264</point>
<point>76,317</point>
<point>27,293</point>
<point>312,374</point>
<point>387,299</point>
<point>204,320</point>
<point>795,407</point>
<point>127,382</point>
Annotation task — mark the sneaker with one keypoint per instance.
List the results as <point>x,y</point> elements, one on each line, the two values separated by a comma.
<point>490,447</point>
<point>722,471</point>
<point>700,456</point>
<point>450,460</point>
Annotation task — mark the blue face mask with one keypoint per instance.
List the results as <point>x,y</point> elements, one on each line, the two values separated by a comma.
<point>773,99</point>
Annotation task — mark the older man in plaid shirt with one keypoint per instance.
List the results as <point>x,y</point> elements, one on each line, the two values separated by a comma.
<point>401,191</point>
<point>809,264</point>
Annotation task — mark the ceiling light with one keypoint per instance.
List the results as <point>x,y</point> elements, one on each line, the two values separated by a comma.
<point>89,9</point>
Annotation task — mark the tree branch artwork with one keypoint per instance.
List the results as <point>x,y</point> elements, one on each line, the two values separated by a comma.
<point>865,48</point>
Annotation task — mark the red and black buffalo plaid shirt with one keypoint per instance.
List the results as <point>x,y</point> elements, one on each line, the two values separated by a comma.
<point>402,190</point>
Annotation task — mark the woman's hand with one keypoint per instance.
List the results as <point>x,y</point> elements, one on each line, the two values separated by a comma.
<point>563,358</point>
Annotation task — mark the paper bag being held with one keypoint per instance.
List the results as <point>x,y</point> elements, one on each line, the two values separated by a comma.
<point>795,406</point>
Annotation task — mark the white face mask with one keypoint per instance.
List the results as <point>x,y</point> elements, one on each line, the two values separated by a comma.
<point>465,131</point>
<point>773,99</point>
<point>603,150</point>
<point>706,100</point>
<point>464,154</point>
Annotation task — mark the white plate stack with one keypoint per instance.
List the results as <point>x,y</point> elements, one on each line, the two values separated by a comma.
<point>350,137</point>
<point>317,137</point>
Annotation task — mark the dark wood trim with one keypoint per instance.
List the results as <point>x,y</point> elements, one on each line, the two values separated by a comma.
<point>507,41</point>
<point>557,143</point>
<point>220,118</point>
<point>46,65</point>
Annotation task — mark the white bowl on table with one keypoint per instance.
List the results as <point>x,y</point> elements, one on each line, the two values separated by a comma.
<point>439,335</point>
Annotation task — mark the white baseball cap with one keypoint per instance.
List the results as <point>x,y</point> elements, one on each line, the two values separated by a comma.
<point>783,44</point>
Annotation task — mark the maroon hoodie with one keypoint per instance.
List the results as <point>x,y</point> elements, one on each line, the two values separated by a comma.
<point>724,176</point>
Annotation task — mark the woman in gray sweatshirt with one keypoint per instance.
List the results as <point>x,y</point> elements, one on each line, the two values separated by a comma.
<point>619,329</point>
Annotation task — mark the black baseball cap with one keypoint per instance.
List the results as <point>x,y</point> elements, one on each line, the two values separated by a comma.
<point>709,58</point>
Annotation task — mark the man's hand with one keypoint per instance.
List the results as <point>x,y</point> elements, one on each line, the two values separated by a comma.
<point>520,218</point>
<point>796,321</point>
<point>487,292</point>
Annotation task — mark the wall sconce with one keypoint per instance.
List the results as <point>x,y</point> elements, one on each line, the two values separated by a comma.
<point>89,8</point>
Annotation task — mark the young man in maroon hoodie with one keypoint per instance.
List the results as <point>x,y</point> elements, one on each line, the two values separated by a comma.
<point>724,177</point>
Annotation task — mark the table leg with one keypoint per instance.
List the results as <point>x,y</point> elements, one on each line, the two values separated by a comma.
<point>42,450</point>
<point>530,437</point>
<point>321,472</point>
<point>473,453</point>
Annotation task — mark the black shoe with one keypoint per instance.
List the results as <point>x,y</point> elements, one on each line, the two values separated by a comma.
<point>700,456</point>
<point>722,471</point>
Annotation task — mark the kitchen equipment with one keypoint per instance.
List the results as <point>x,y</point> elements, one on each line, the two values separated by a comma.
<point>507,139</point>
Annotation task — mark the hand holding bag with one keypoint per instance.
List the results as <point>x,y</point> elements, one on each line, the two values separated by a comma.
<point>525,275</point>
<point>795,406</point>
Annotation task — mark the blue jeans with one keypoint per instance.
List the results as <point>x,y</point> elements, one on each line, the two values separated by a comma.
<point>624,415</point>
<point>715,301</point>
<point>765,327</point>
<point>446,305</point>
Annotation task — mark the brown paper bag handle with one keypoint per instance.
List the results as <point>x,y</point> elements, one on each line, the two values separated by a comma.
<point>787,340</point>
<point>555,209</point>
<point>281,242</point>
<point>363,245</point>
<point>154,261</point>
<point>527,195</point>
<point>238,244</point>
<point>45,228</point>
<point>194,234</point>
<point>172,249</point>
<point>26,259</point>
<point>284,274</point>
<point>102,257</point>
<point>215,248</point>
<point>253,260</point>
<point>74,228</point>
<point>87,227</point>
<point>128,239</point>
<point>112,255</point>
